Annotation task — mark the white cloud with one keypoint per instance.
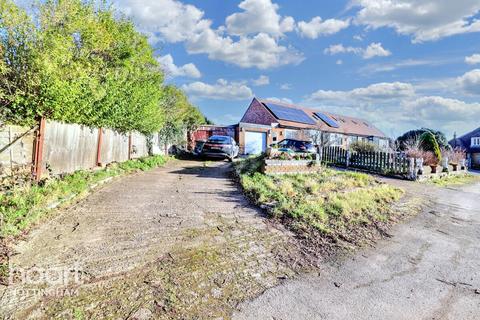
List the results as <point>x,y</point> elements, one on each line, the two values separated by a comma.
<point>408,63</point>
<point>373,50</point>
<point>406,108</point>
<point>258,16</point>
<point>284,100</point>
<point>173,21</point>
<point>261,51</point>
<point>378,91</point>
<point>473,59</point>
<point>339,62</point>
<point>221,90</point>
<point>470,82</point>
<point>316,27</point>
<point>261,81</point>
<point>443,109</point>
<point>425,20</point>
<point>286,86</point>
<point>172,70</point>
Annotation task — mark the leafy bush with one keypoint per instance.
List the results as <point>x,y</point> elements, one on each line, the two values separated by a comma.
<point>429,143</point>
<point>81,62</point>
<point>363,146</point>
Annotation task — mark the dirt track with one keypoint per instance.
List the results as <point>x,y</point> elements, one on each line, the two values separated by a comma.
<point>137,220</point>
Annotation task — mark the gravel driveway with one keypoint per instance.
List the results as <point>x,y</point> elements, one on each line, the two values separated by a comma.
<point>118,232</point>
<point>428,269</point>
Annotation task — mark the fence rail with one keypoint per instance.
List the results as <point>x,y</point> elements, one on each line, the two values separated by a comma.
<point>379,162</point>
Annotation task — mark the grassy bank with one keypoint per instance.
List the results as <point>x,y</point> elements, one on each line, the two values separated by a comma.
<point>454,180</point>
<point>329,207</point>
<point>22,207</point>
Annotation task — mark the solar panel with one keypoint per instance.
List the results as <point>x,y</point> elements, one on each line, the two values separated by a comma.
<point>289,114</point>
<point>329,121</point>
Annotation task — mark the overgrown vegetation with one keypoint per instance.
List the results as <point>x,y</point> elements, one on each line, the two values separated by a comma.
<point>332,205</point>
<point>454,180</point>
<point>82,62</point>
<point>22,207</point>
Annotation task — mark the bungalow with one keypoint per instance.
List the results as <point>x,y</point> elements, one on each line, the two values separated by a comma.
<point>266,122</point>
<point>470,142</point>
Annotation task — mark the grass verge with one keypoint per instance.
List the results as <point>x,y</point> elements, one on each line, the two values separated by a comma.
<point>329,209</point>
<point>454,180</point>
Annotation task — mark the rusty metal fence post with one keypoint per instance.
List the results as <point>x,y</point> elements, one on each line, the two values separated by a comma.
<point>38,154</point>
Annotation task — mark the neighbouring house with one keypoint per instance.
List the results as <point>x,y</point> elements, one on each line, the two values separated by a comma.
<point>266,122</point>
<point>469,142</point>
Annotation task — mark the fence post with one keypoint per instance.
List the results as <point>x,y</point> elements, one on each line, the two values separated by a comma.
<point>99,147</point>
<point>411,169</point>
<point>37,158</point>
<point>419,166</point>
<point>129,146</point>
<point>347,159</point>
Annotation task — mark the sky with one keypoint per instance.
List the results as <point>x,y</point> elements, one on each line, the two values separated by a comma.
<point>401,64</point>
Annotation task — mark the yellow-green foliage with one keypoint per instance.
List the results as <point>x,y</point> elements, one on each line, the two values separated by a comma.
<point>328,201</point>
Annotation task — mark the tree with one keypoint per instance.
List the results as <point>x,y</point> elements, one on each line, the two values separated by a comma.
<point>410,137</point>
<point>180,116</point>
<point>80,63</point>
<point>18,81</point>
<point>429,143</point>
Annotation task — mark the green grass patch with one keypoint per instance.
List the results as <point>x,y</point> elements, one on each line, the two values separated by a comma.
<point>331,202</point>
<point>455,180</point>
<point>21,207</point>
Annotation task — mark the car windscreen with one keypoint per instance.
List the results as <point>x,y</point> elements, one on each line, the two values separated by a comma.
<point>219,139</point>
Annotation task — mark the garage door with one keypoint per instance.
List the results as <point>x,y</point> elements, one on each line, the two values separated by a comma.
<point>476,160</point>
<point>255,142</point>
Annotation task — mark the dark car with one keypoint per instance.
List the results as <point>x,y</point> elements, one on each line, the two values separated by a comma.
<point>293,145</point>
<point>198,147</point>
<point>220,147</point>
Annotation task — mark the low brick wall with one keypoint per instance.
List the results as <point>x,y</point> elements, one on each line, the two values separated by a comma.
<point>427,175</point>
<point>290,166</point>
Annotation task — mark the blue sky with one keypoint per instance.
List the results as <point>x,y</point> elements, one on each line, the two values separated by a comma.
<point>401,64</point>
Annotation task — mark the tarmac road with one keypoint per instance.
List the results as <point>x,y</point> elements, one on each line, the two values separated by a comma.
<point>428,269</point>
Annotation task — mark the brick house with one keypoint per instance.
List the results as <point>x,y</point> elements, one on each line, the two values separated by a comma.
<point>469,142</point>
<point>266,122</point>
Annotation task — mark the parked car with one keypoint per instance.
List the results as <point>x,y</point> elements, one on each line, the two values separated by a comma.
<point>220,147</point>
<point>295,146</point>
<point>198,147</point>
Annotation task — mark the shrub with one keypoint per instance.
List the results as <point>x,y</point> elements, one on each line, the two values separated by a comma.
<point>455,156</point>
<point>363,146</point>
<point>429,143</point>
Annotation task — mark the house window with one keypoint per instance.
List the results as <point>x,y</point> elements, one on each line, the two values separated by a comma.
<point>475,142</point>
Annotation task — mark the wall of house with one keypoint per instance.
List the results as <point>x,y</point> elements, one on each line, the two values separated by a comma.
<point>258,114</point>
